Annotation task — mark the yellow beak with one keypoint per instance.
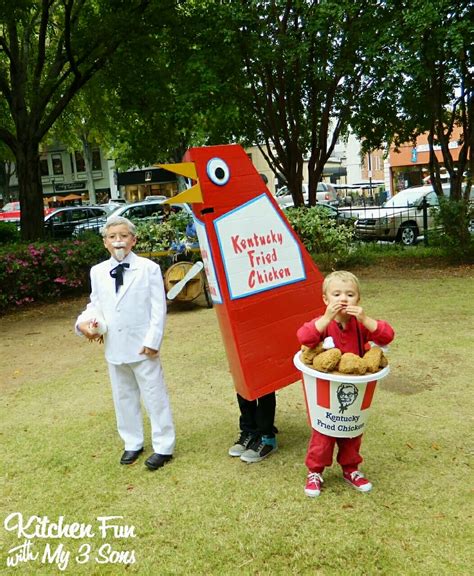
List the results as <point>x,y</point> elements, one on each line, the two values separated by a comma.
<point>188,170</point>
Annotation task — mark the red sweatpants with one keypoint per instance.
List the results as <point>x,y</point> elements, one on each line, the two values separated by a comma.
<point>321,450</point>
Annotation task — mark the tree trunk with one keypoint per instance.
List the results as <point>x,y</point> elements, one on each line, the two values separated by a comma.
<point>293,172</point>
<point>86,149</point>
<point>315,172</point>
<point>30,191</point>
<point>295,186</point>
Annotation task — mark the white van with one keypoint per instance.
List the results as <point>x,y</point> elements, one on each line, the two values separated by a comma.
<point>325,194</point>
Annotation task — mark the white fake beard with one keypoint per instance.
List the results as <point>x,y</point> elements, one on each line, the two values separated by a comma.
<point>119,251</point>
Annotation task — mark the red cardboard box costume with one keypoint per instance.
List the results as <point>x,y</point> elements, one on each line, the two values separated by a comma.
<point>261,278</point>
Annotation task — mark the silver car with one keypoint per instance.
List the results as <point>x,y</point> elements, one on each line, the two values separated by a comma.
<point>401,218</point>
<point>139,211</point>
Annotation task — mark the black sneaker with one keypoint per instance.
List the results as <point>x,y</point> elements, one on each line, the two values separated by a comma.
<point>241,445</point>
<point>259,450</point>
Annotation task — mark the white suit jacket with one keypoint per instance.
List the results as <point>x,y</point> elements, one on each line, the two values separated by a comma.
<point>135,315</point>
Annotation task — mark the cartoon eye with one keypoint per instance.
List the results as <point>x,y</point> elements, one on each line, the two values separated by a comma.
<point>218,171</point>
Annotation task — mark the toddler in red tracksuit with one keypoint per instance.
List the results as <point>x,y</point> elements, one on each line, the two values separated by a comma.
<point>351,329</point>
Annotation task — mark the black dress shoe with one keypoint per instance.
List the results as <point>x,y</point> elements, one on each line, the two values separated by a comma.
<point>129,456</point>
<point>156,461</point>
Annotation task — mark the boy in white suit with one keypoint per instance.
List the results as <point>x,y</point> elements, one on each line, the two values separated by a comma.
<point>128,306</point>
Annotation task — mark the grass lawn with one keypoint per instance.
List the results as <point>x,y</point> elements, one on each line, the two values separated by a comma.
<point>209,514</point>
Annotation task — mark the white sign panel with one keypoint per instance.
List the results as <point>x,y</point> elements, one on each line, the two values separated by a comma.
<point>208,262</point>
<point>338,404</point>
<point>258,249</point>
<point>344,418</point>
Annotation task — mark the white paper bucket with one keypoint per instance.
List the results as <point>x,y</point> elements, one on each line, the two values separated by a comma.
<point>338,404</point>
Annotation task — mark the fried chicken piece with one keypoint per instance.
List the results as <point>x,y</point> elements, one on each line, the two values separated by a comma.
<point>372,359</point>
<point>308,354</point>
<point>327,361</point>
<point>352,364</point>
<point>383,361</point>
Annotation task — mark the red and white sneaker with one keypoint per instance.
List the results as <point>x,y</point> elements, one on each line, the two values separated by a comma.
<point>356,480</point>
<point>313,484</point>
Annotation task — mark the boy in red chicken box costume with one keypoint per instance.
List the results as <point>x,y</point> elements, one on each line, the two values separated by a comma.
<point>261,279</point>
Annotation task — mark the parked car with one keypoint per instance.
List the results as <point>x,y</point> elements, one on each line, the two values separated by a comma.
<point>400,218</point>
<point>155,209</point>
<point>146,210</point>
<point>325,193</point>
<point>117,201</point>
<point>285,199</point>
<point>110,207</point>
<point>11,212</point>
<point>62,222</point>
<point>152,198</point>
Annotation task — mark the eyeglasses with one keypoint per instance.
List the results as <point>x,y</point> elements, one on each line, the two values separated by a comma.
<point>116,235</point>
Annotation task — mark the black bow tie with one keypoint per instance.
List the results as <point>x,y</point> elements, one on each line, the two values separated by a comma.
<point>117,273</point>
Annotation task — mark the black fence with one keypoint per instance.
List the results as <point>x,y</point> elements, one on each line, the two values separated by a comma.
<point>404,224</point>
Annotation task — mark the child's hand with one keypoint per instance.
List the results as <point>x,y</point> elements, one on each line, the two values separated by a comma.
<point>333,309</point>
<point>362,317</point>
<point>88,330</point>
<point>150,352</point>
<point>356,311</point>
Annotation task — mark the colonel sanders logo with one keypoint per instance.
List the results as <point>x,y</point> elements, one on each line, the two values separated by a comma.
<point>346,394</point>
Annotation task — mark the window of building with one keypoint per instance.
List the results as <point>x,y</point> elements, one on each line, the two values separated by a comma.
<point>80,163</point>
<point>57,162</point>
<point>96,162</point>
<point>44,168</point>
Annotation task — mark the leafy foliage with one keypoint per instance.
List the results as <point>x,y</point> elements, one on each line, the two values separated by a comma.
<point>426,86</point>
<point>49,52</point>
<point>328,241</point>
<point>456,218</point>
<point>8,232</point>
<point>42,271</point>
<point>170,237</point>
<point>187,76</point>
<point>305,65</point>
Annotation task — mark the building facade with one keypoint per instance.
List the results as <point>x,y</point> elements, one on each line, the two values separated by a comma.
<point>135,185</point>
<point>409,164</point>
<point>63,174</point>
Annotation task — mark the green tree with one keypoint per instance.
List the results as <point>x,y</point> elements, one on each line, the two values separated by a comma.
<point>182,92</point>
<point>427,87</point>
<point>83,125</point>
<point>304,66</point>
<point>440,96</point>
<point>49,50</point>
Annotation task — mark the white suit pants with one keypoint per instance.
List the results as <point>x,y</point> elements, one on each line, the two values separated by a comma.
<point>144,380</point>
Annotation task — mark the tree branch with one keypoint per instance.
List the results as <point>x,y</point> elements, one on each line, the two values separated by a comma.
<point>9,139</point>
<point>41,42</point>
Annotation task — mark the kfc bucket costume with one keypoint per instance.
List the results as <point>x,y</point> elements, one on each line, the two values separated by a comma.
<point>353,338</point>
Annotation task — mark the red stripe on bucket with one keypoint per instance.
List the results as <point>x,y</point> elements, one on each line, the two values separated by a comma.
<point>323,393</point>
<point>307,405</point>
<point>369,394</point>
